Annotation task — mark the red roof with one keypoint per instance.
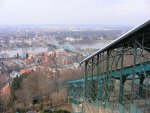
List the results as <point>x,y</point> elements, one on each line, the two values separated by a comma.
<point>28,70</point>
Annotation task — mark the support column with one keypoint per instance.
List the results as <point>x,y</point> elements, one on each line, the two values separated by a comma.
<point>108,53</point>
<point>108,77</point>
<point>92,84</point>
<point>122,81</point>
<point>122,78</point>
<point>92,69</point>
<point>141,85</point>
<point>85,79</point>
<point>134,72</point>
<point>97,82</point>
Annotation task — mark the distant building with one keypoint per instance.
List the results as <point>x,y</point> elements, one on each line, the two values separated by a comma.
<point>26,71</point>
<point>15,74</point>
<point>70,39</point>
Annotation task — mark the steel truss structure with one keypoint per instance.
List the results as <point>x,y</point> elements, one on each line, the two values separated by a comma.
<point>118,76</point>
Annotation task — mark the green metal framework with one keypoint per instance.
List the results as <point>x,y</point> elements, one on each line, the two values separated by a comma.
<point>118,76</point>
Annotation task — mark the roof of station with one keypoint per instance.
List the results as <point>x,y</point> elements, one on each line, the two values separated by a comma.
<point>120,39</point>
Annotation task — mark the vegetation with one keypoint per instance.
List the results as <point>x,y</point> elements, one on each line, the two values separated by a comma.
<point>16,84</point>
<point>40,85</point>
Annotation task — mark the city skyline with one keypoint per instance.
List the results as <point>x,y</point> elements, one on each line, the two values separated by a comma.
<point>85,12</point>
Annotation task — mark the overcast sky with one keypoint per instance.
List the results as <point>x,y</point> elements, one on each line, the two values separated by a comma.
<point>99,12</point>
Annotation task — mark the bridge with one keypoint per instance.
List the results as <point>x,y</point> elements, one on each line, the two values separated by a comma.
<point>117,77</point>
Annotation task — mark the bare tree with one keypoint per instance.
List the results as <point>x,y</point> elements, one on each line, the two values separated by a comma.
<point>4,98</point>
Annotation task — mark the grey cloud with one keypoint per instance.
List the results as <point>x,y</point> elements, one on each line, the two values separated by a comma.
<point>109,12</point>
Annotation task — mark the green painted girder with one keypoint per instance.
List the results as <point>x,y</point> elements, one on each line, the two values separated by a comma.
<point>75,87</point>
<point>75,92</point>
<point>127,71</point>
<point>139,69</point>
<point>75,100</point>
<point>75,81</point>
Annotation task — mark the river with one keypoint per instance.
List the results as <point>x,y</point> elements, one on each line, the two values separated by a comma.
<point>21,51</point>
<point>99,44</point>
